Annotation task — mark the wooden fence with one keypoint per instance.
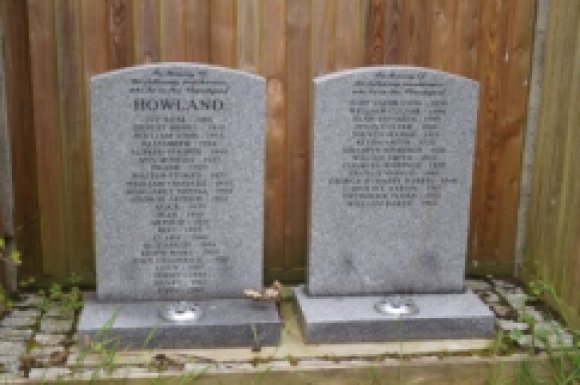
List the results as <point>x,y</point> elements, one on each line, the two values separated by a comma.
<point>552,249</point>
<point>55,46</point>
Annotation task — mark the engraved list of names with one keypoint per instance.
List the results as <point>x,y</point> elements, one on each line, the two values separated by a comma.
<point>396,155</point>
<point>179,147</point>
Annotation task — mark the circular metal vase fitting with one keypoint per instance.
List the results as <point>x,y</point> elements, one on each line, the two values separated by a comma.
<point>182,311</point>
<point>397,306</point>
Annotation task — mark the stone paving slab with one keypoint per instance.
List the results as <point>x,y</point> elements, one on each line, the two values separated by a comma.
<point>28,301</point>
<point>17,322</point>
<point>9,364</point>
<point>50,339</point>
<point>12,349</point>
<point>49,373</point>
<point>48,355</point>
<point>52,326</point>
<point>10,334</point>
<point>59,313</point>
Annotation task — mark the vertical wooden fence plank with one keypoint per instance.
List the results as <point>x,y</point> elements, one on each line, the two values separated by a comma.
<point>6,195</point>
<point>392,31</point>
<point>75,139</point>
<point>147,31</point>
<point>173,31</point>
<point>21,130</point>
<point>121,48</point>
<point>349,31</point>
<point>248,35</point>
<point>443,36</point>
<point>96,38</point>
<point>298,79</point>
<point>483,203</point>
<point>467,27</point>
<point>48,136</point>
<point>570,222</point>
<point>564,23</point>
<point>416,32</point>
<point>323,49</point>
<point>223,31</point>
<point>376,32</point>
<point>568,228</point>
<point>273,68</point>
<point>507,145</point>
<point>198,30</point>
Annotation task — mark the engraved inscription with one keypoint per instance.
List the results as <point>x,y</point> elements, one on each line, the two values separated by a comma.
<point>179,147</point>
<point>395,156</point>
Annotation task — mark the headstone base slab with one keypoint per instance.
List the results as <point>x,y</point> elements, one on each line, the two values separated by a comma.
<point>340,319</point>
<point>224,323</point>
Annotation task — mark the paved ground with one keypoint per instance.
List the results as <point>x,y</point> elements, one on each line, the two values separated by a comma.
<point>38,341</point>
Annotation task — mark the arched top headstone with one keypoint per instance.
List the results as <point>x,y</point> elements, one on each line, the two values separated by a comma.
<point>177,154</point>
<point>391,180</point>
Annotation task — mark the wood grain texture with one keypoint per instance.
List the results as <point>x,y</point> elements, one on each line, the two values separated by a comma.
<point>484,204</point>
<point>6,200</point>
<point>443,36</point>
<point>349,33</point>
<point>552,250</point>
<point>508,144</point>
<point>323,42</point>
<point>376,51</point>
<point>45,101</point>
<point>467,29</point>
<point>273,68</point>
<point>392,50</point>
<point>121,48</point>
<point>26,218</point>
<point>75,138</point>
<point>298,77</point>
<point>416,32</point>
<point>95,24</point>
<point>147,31</point>
<point>223,32</point>
<point>248,35</point>
<point>198,30</point>
<point>173,30</point>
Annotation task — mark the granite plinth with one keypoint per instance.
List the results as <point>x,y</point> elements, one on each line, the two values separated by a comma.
<point>224,323</point>
<point>354,318</point>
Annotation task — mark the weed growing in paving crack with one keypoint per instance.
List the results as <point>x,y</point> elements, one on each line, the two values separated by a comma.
<point>11,257</point>
<point>563,364</point>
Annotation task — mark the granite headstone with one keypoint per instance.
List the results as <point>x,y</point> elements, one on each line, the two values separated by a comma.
<point>391,179</point>
<point>391,183</point>
<point>177,154</point>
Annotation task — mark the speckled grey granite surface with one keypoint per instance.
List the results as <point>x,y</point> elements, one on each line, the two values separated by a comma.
<point>178,160</point>
<point>225,323</point>
<point>340,319</point>
<point>391,180</point>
